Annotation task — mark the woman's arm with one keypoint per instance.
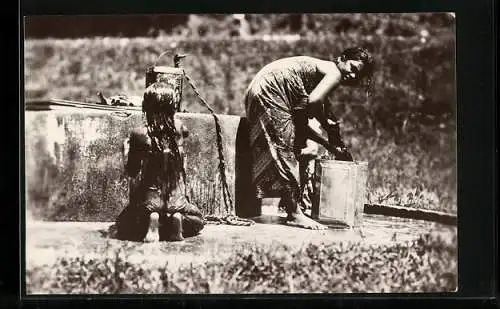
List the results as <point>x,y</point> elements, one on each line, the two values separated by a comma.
<point>332,144</point>
<point>318,138</point>
<point>331,78</point>
<point>138,144</point>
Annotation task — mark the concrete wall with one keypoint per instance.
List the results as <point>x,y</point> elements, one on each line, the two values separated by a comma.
<point>74,166</point>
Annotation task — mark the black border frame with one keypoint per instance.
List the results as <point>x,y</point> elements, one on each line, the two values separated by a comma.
<point>476,144</point>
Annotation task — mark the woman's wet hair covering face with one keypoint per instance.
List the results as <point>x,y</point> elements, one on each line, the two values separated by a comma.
<point>159,108</point>
<point>159,98</point>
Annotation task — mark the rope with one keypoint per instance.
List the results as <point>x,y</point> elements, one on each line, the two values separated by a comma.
<point>228,219</point>
<point>228,202</point>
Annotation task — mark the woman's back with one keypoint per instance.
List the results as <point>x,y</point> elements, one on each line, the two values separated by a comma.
<point>288,78</point>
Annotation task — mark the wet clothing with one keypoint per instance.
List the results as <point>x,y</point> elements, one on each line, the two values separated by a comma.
<point>276,102</point>
<point>151,190</point>
<point>132,224</point>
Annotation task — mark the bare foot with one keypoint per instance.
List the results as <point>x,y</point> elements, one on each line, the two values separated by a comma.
<point>301,220</point>
<point>153,234</point>
<point>177,227</point>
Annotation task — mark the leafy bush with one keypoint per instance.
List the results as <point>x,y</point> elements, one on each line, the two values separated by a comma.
<point>428,264</point>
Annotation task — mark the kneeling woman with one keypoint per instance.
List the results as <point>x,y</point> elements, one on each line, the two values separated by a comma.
<point>158,207</point>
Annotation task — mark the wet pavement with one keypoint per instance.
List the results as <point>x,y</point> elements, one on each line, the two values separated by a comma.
<point>47,241</point>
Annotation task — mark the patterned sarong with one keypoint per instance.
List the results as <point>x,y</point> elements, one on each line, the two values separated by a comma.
<point>271,98</point>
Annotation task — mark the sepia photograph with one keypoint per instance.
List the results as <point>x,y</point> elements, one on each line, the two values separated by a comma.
<point>240,153</point>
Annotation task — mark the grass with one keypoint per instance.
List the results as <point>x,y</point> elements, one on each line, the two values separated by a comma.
<point>409,174</point>
<point>427,264</point>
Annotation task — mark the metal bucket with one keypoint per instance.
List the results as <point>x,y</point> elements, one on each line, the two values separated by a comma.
<point>340,192</point>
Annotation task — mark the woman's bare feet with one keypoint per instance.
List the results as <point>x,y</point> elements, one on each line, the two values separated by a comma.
<point>153,234</point>
<point>301,220</point>
<point>297,218</point>
<point>176,227</point>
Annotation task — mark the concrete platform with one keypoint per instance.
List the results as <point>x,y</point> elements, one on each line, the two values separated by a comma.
<point>47,241</point>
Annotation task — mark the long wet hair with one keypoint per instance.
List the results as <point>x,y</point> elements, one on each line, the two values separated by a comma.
<point>158,109</point>
<point>365,76</point>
